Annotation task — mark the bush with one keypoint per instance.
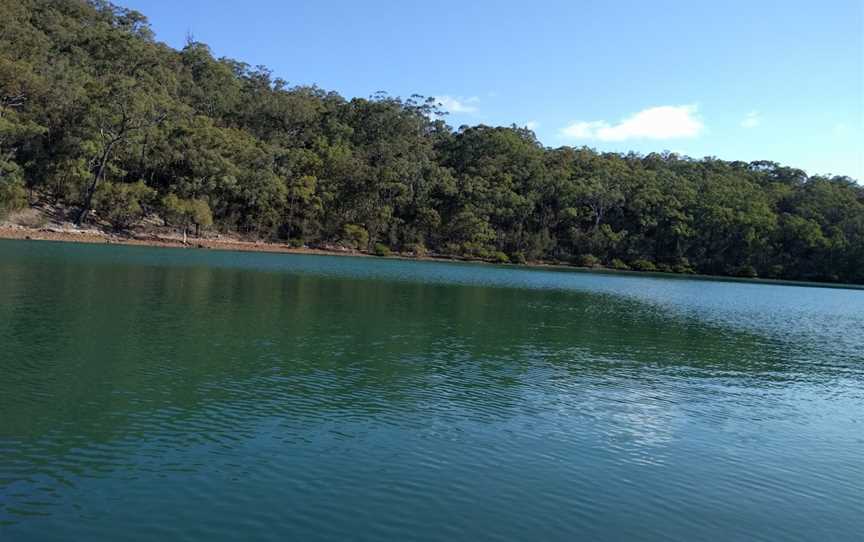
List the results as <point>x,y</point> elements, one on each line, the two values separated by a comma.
<point>518,258</point>
<point>295,242</point>
<point>67,180</point>
<point>382,250</point>
<point>477,250</point>
<point>643,265</point>
<point>187,211</point>
<point>619,264</point>
<point>419,250</point>
<point>122,204</point>
<point>452,249</point>
<point>13,196</point>
<point>746,271</point>
<point>500,257</point>
<point>199,213</point>
<point>683,267</point>
<point>664,267</point>
<point>588,260</point>
<point>355,236</point>
<point>776,271</point>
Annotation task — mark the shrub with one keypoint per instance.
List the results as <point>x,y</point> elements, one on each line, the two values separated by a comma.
<point>683,266</point>
<point>187,211</point>
<point>199,213</point>
<point>355,236</point>
<point>664,267</point>
<point>746,271</point>
<point>382,250</point>
<point>588,260</point>
<point>619,264</point>
<point>452,249</point>
<point>295,242</point>
<point>643,265</point>
<point>13,196</point>
<point>518,258</point>
<point>500,257</point>
<point>67,180</point>
<point>477,250</point>
<point>122,204</point>
<point>419,250</point>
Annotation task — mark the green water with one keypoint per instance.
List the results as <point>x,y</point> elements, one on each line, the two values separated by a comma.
<point>157,394</point>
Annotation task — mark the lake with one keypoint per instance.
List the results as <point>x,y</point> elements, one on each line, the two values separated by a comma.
<point>163,394</point>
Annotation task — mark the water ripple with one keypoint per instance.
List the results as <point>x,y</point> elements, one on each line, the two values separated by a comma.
<point>197,396</point>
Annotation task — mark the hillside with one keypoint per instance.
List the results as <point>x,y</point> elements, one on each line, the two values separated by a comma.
<point>99,117</point>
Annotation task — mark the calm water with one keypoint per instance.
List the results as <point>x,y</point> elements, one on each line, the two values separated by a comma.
<point>154,394</point>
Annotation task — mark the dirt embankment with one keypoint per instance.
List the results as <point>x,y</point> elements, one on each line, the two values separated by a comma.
<point>46,223</point>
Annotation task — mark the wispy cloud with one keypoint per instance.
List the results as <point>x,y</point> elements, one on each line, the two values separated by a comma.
<point>532,125</point>
<point>752,120</point>
<point>458,104</point>
<point>662,122</point>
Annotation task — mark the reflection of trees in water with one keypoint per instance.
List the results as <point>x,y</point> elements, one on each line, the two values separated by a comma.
<point>95,345</point>
<point>111,361</point>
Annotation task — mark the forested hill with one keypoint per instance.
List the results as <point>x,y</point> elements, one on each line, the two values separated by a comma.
<point>97,114</point>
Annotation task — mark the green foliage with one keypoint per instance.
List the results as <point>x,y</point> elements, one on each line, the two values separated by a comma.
<point>588,260</point>
<point>91,103</point>
<point>518,258</point>
<point>199,212</point>
<point>643,265</point>
<point>480,251</point>
<point>683,267</point>
<point>500,257</point>
<point>185,212</point>
<point>419,250</point>
<point>355,236</point>
<point>618,263</point>
<point>382,250</point>
<point>747,271</point>
<point>122,204</point>
<point>664,267</point>
<point>13,196</point>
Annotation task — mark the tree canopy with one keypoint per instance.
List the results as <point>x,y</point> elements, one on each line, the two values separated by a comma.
<point>95,113</point>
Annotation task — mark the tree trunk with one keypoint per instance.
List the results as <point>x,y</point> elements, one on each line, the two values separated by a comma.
<point>100,171</point>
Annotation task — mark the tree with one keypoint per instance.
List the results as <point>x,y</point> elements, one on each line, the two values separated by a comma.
<point>122,204</point>
<point>94,112</point>
<point>186,212</point>
<point>121,112</point>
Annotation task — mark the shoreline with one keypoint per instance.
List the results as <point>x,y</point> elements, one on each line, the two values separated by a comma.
<point>100,237</point>
<point>93,236</point>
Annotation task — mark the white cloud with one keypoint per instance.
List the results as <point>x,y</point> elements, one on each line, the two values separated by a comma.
<point>662,122</point>
<point>752,120</point>
<point>458,104</point>
<point>532,125</point>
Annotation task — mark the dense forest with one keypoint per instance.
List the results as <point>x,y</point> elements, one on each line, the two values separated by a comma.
<point>99,116</point>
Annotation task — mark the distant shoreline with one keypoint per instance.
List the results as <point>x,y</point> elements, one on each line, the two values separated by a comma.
<point>99,237</point>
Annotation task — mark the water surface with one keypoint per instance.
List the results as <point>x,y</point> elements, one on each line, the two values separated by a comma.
<point>195,395</point>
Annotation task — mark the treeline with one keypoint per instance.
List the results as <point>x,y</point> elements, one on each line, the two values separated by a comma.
<point>97,114</point>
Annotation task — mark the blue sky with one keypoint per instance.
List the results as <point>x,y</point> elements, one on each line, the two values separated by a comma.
<point>747,80</point>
